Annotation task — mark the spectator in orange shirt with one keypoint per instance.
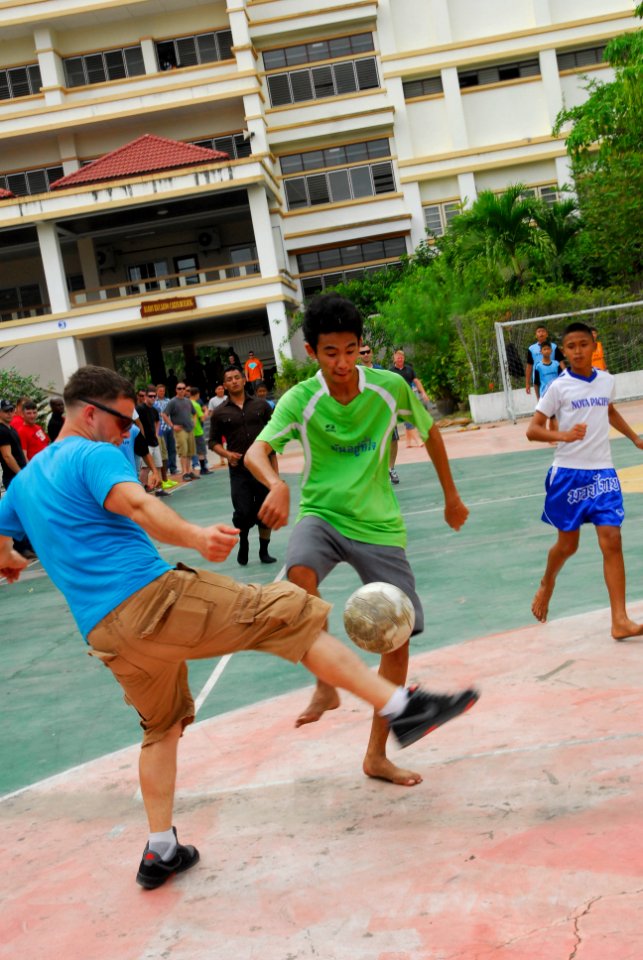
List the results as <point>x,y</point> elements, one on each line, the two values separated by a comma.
<point>253,368</point>
<point>33,438</point>
<point>598,357</point>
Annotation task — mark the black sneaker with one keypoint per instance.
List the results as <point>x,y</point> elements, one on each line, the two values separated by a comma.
<point>393,475</point>
<point>153,872</point>
<point>426,711</point>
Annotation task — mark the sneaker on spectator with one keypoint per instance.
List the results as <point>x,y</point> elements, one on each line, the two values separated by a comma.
<point>187,477</point>
<point>393,475</point>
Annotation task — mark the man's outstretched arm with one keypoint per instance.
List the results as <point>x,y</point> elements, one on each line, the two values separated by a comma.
<point>455,512</point>
<point>161,523</point>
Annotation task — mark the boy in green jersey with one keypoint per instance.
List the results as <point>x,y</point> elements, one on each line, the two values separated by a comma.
<point>344,418</point>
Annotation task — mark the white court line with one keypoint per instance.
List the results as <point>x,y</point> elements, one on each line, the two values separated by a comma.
<point>477,503</point>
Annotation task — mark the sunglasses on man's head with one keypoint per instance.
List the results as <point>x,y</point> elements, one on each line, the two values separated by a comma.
<point>125,423</point>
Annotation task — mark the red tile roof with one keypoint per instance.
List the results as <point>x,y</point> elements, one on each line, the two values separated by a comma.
<point>147,154</point>
<point>6,194</point>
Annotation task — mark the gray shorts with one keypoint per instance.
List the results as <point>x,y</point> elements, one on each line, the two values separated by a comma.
<point>316,544</point>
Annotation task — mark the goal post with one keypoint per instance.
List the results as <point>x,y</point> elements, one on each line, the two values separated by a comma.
<point>620,330</point>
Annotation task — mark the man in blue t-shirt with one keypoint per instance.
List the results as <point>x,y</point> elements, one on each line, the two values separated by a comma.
<point>144,619</point>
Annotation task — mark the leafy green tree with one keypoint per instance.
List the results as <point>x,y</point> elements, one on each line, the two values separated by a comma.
<point>498,231</point>
<point>605,144</point>
<point>14,385</point>
<point>561,225</point>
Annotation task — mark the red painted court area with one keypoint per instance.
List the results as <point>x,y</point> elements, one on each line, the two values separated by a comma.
<point>522,843</point>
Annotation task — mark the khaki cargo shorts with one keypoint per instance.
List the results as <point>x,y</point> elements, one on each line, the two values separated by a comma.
<point>185,445</point>
<point>190,615</point>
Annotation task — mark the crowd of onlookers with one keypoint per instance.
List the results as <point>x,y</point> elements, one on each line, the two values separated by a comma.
<point>167,446</point>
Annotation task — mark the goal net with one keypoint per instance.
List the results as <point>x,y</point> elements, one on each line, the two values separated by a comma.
<point>620,331</point>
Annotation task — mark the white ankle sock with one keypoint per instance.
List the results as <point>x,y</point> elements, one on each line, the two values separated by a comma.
<point>163,843</point>
<point>396,705</point>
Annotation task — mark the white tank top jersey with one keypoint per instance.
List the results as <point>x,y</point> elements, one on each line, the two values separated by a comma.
<point>574,399</point>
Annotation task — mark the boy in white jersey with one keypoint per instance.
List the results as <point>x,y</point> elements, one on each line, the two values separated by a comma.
<point>582,485</point>
<point>344,418</point>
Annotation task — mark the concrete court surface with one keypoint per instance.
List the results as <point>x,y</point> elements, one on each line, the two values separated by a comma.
<point>523,842</point>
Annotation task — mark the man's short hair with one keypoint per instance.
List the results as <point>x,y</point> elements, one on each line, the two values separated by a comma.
<point>30,405</point>
<point>233,369</point>
<point>545,343</point>
<point>194,391</point>
<point>330,313</point>
<point>97,383</point>
<point>576,327</point>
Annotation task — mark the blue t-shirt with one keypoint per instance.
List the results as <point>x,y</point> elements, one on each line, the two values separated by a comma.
<point>96,558</point>
<point>545,374</point>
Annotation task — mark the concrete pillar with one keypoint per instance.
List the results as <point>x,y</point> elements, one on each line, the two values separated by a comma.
<point>53,266</point>
<point>71,354</point>
<point>467,188</point>
<point>440,17</point>
<point>542,13</point>
<point>87,256</point>
<point>455,113</point>
<point>51,66</point>
<point>68,153</point>
<point>149,55</point>
<point>262,228</point>
<point>278,326</point>
<point>413,201</point>
<point>551,83</point>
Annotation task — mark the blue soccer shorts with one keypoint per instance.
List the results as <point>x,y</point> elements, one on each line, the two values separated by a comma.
<point>575,497</point>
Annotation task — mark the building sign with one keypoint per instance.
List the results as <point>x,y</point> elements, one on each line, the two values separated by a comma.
<point>173,305</point>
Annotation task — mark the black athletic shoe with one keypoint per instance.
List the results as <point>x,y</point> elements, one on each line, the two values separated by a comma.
<point>153,872</point>
<point>426,711</point>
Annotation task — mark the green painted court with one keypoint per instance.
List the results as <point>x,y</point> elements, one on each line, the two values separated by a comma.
<point>61,708</point>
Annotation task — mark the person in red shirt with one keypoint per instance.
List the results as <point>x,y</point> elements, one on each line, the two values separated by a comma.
<point>33,438</point>
<point>17,419</point>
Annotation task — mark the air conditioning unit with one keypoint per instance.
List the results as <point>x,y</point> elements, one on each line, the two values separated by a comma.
<point>106,258</point>
<point>209,239</point>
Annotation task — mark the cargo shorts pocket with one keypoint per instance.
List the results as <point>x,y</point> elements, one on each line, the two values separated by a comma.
<point>183,614</point>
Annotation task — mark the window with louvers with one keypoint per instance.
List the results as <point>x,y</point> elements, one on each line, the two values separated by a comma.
<point>20,81</point>
<point>30,182</point>
<point>587,57</point>
<point>101,67</point>
<point>319,82</point>
<point>422,88</point>
<point>234,145</point>
<point>190,51</point>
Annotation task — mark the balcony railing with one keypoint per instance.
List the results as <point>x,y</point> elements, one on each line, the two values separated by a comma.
<point>171,281</point>
<point>24,313</point>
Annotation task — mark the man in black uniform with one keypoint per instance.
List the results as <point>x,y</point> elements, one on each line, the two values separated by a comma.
<point>239,421</point>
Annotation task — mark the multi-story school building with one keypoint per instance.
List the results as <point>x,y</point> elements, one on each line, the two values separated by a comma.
<point>176,173</point>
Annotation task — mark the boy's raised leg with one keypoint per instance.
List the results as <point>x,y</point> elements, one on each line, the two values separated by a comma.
<point>609,540</point>
<point>566,546</point>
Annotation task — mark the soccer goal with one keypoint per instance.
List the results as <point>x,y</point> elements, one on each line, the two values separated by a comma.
<point>620,330</point>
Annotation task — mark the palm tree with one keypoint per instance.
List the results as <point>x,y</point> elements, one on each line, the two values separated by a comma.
<point>499,228</point>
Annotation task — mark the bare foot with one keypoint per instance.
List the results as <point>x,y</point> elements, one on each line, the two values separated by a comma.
<point>627,628</point>
<point>540,603</point>
<point>381,768</point>
<point>324,698</point>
